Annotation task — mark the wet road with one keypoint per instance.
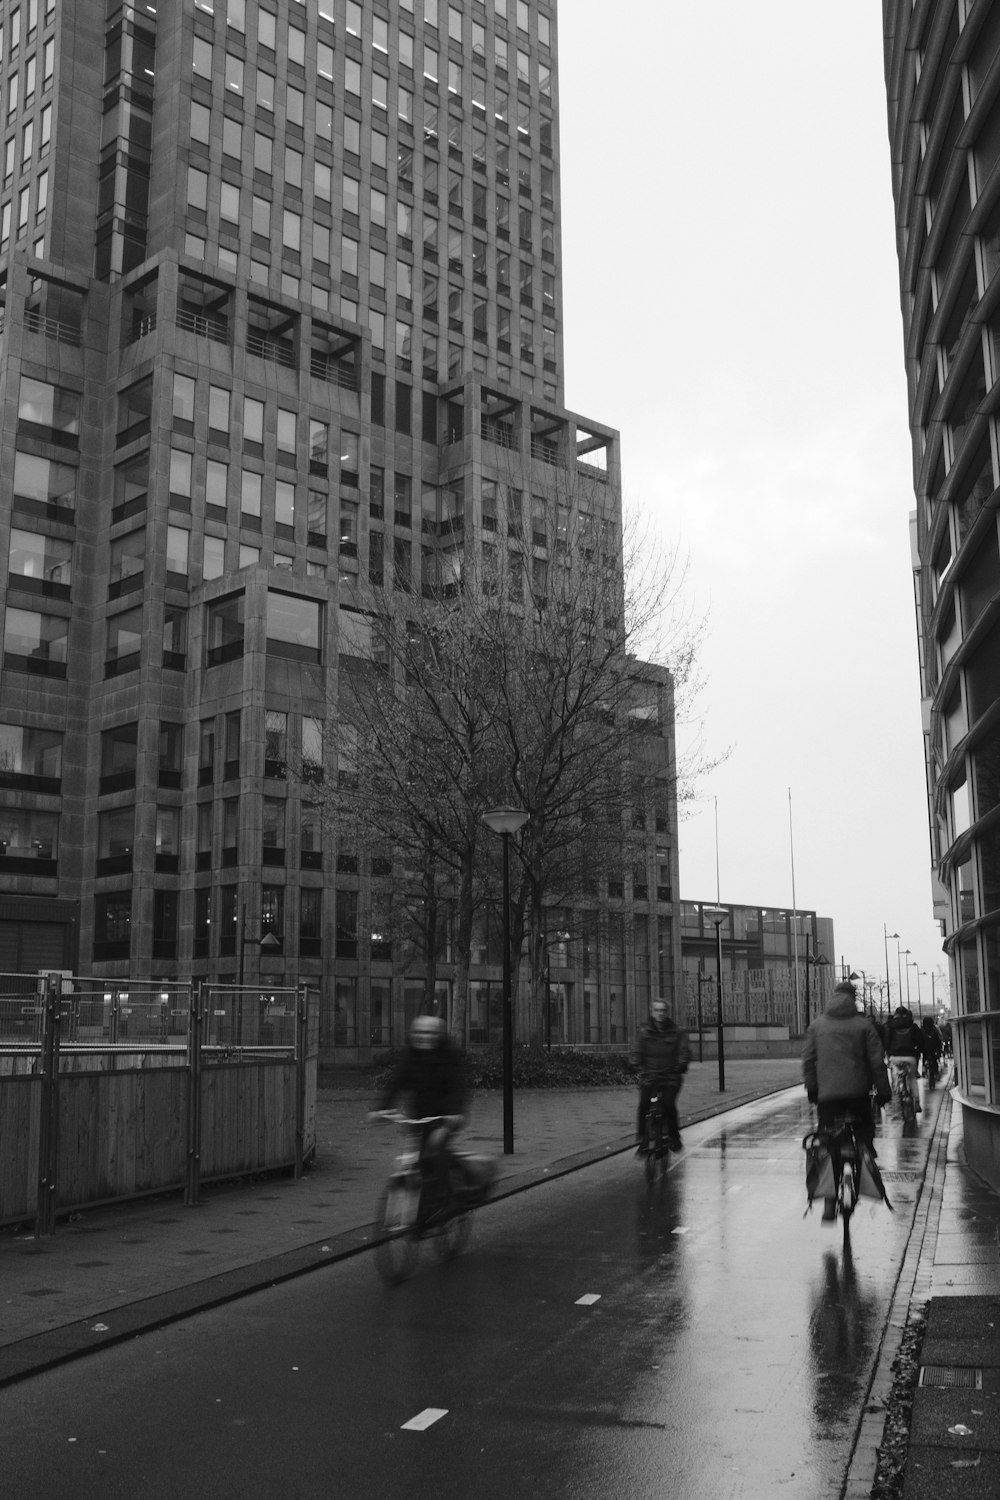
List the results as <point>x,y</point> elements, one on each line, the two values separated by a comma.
<point>697,1339</point>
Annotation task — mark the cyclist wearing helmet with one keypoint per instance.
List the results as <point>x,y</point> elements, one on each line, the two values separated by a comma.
<point>432,1072</point>
<point>660,1056</point>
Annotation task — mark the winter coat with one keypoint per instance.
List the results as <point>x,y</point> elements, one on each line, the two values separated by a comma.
<point>842,1055</point>
<point>902,1036</point>
<point>435,1079</point>
<point>661,1053</point>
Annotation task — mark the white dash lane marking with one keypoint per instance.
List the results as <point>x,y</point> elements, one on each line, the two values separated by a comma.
<point>425,1419</point>
<point>680,1231</point>
<point>588,1299</point>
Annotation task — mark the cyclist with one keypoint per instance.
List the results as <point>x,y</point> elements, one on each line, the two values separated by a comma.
<point>904,1045</point>
<point>933,1048</point>
<point>841,1059</point>
<point>660,1056</point>
<point>432,1072</point>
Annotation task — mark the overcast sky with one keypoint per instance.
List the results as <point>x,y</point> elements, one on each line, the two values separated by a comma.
<point>732,306</point>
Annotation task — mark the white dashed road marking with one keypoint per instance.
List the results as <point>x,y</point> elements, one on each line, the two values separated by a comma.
<point>425,1419</point>
<point>588,1299</point>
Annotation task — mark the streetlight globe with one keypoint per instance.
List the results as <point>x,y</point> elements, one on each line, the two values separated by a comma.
<point>505,819</point>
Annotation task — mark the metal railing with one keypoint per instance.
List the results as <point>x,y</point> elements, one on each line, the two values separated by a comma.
<point>216,329</point>
<point>278,351</point>
<point>62,333</point>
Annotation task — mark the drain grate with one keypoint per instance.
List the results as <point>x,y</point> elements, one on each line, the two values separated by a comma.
<point>946,1377</point>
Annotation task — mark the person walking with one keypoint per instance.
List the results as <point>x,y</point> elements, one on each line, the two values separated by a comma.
<point>842,1057</point>
<point>660,1055</point>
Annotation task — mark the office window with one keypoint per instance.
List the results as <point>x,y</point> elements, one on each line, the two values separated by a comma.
<point>35,642</point>
<point>324,60</point>
<point>224,629</point>
<point>275,744</point>
<point>26,752</point>
<point>45,561</point>
<point>294,627</point>
<point>213,558</point>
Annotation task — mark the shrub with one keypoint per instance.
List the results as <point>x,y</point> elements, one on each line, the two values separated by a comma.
<point>535,1068</point>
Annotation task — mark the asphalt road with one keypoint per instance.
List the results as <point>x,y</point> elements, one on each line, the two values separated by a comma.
<point>598,1339</point>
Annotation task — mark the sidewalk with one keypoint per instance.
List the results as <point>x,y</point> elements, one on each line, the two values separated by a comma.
<point>110,1274</point>
<point>955,1428</point>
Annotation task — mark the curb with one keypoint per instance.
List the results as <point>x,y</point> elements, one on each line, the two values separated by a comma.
<point>911,1281</point>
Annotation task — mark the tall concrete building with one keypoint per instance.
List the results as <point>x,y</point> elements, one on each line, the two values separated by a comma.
<point>282,319</point>
<point>942,67</point>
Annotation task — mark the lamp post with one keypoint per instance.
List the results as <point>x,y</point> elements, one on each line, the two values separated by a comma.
<point>717,915</point>
<point>505,821</point>
<point>899,967</point>
<point>906,955</point>
<point>817,961</point>
<point>560,938</point>
<point>886,935</point>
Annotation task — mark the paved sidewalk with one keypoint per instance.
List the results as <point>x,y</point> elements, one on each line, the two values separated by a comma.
<point>109,1274</point>
<point>955,1429</point>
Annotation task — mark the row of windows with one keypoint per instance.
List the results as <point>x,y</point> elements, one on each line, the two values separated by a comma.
<point>21,24</point>
<point>265,22</point>
<point>21,82</point>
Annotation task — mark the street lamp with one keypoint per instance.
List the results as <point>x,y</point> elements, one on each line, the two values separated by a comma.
<point>886,935</point>
<point>505,821</point>
<point>899,967</point>
<point>819,961</point>
<point>560,938</point>
<point>717,915</point>
<point>906,955</point>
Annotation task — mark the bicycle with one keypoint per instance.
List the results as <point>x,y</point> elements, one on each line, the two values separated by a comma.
<point>841,1145</point>
<point>932,1070</point>
<point>411,1207</point>
<point>655,1152</point>
<point>902,1090</point>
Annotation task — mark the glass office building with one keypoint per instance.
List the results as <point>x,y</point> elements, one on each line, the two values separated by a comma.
<point>942,68</point>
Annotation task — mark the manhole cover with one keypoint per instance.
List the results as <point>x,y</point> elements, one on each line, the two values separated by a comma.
<point>947,1376</point>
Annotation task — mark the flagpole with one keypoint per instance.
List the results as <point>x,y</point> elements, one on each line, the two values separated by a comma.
<point>795,918</point>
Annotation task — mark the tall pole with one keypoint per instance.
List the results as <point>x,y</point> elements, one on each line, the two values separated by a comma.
<point>505,821</point>
<point>795,920</point>
<point>899,968</point>
<point>508,1019</point>
<point>907,979</point>
<point>718,960</point>
<point>886,935</point>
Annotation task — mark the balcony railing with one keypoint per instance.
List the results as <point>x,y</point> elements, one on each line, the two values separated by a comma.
<point>278,351</point>
<point>62,333</point>
<point>333,371</point>
<point>216,329</point>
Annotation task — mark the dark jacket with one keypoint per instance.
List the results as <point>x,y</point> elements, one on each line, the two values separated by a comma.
<point>842,1055</point>
<point>902,1035</point>
<point>661,1053</point>
<point>435,1080</point>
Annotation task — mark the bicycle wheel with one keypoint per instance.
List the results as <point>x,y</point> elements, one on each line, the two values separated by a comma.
<point>909,1108</point>
<point>654,1142</point>
<point>395,1225</point>
<point>453,1236</point>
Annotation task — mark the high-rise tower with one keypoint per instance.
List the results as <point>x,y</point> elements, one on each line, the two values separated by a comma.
<point>282,317</point>
<point>942,65</point>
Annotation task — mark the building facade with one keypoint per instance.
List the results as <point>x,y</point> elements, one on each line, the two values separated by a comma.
<point>282,319</point>
<point>942,67</point>
<point>778,966</point>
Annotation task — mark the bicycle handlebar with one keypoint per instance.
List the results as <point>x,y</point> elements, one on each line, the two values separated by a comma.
<point>398,1118</point>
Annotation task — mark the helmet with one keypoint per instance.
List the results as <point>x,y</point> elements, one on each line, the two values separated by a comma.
<point>427,1031</point>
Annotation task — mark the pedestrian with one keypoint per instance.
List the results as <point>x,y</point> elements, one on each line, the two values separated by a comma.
<point>660,1055</point>
<point>904,1045</point>
<point>842,1058</point>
